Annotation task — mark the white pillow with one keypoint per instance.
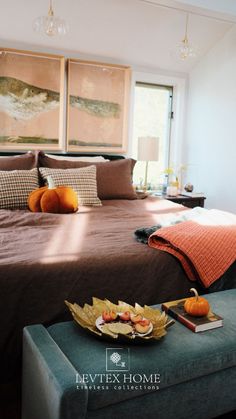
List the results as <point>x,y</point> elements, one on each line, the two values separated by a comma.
<point>94,159</point>
<point>82,180</point>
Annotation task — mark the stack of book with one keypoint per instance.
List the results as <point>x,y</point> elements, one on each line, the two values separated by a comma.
<point>196,324</point>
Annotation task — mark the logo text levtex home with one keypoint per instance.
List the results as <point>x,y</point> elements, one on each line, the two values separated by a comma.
<point>118,359</point>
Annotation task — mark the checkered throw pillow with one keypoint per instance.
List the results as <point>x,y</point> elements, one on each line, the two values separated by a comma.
<point>15,187</point>
<point>82,180</point>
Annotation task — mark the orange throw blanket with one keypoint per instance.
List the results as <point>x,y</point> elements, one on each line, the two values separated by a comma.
<point>205,251</point>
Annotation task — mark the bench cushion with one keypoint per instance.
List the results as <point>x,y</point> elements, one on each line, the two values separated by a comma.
<point>179,357</point>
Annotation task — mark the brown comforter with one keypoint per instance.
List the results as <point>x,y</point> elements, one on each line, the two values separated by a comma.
<point>48,258</point>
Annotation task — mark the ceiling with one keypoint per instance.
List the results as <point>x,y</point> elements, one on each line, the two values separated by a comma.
<point>142,33</point>
<point>221,6</point>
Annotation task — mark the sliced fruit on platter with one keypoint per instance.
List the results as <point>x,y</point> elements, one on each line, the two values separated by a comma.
<point>109,316</point>
<point>142,327</point>
<point>125,316</point>
<point>135,318</point>
<point>122,320</point>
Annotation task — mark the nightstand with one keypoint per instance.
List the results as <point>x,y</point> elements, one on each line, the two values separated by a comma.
<point>187,201</point>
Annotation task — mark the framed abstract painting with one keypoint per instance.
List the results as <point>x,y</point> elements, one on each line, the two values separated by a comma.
<point>31,100</point>
<point>98,102</point>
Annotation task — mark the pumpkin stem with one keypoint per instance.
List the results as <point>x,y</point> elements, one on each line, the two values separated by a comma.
<point>51,184</point>
<point>195,292</point>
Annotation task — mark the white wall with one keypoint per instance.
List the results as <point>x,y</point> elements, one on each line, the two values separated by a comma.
<point>210,148</point>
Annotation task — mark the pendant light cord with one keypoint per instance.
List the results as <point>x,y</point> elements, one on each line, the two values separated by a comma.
<point>50,10</point>
<point>186,29</point>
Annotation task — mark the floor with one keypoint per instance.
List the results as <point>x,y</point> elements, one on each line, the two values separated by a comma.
<point>13,412</point>
<point>228,415</point>
<point>10,412</point>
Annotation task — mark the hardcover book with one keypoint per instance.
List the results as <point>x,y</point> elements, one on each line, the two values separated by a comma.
<point>196,324</point>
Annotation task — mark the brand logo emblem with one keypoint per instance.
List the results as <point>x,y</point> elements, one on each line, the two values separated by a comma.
<point>117,359</point>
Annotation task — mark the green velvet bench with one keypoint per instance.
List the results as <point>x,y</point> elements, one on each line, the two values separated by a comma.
<point>69,374</point>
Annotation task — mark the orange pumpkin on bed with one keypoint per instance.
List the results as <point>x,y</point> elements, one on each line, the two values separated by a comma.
<point>60,199</point>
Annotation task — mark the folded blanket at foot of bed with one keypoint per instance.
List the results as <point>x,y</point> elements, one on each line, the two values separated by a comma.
<point>206,247</point>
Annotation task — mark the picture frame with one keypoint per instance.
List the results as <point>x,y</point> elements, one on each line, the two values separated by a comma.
<point>31,100</point>
<point>98,104</point>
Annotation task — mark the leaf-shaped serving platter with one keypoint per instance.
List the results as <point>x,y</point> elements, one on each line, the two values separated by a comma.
<point>90,317</point>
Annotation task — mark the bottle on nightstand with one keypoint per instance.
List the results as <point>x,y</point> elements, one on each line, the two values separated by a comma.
<point>173,188</point>
<point>165,185</point>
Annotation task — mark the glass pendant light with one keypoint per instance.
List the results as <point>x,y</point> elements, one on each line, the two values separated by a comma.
<point>50,24</point>
<point>185,49</point>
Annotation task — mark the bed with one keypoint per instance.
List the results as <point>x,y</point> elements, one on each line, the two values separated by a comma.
<point>49,258</point>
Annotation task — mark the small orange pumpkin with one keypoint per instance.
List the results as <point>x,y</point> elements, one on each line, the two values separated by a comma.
<point>196,306</point>
<point>60,199</point>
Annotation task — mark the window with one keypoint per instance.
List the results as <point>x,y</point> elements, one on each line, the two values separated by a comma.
<point>152,118</point>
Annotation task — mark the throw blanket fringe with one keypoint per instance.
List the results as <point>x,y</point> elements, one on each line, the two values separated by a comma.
<point>142,234</point>
<point>205,246</point>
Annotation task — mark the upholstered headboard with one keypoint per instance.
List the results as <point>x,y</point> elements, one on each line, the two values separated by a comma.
<point>106,156</point>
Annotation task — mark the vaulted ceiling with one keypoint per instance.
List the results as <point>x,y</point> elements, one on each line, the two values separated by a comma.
<point>143,33</point>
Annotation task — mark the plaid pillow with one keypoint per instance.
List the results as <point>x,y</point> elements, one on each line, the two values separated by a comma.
<point>15,187</point>
<point>82,180</point>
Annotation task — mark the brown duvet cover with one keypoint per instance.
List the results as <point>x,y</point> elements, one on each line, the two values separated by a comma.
<point>47,258</point>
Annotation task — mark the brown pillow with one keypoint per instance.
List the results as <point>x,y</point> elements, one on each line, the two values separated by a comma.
<point>114,178</point>
<point>25,161</point>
